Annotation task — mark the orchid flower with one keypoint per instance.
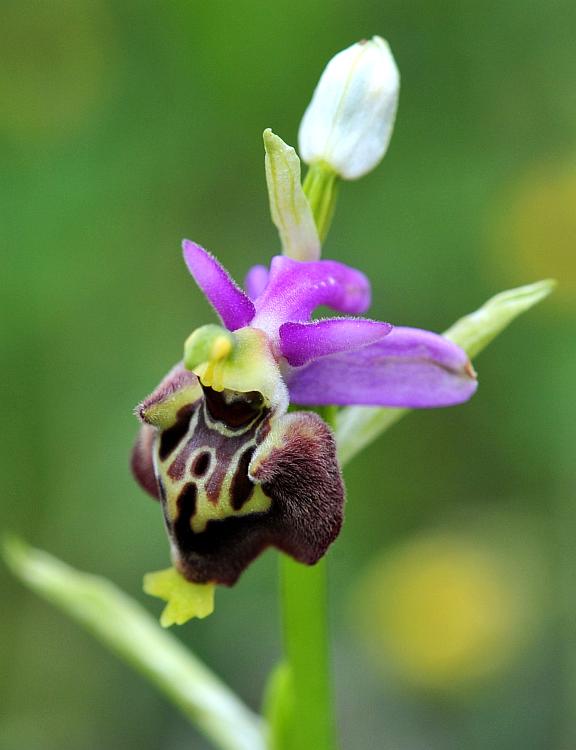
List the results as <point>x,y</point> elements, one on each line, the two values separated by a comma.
<point>234,471</point>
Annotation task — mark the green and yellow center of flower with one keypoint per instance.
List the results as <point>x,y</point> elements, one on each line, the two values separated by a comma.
<point>241,361</point>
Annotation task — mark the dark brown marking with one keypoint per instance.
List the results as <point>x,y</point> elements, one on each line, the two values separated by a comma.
<point>186,504</point>
<point>201,464</point>
<point>214,485</point>
<point>173,435</point>
<point>242,488</point>
<point>236,413</point>
<point>178,466</point>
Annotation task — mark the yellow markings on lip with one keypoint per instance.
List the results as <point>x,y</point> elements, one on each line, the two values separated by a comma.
<point>207,511</point>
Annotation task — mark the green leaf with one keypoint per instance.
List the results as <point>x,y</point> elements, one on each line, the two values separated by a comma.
<point>279,706</point>
<point>291,212</point>
<point>475,331</point>
<point>133,634</point>
<point>358,426</point>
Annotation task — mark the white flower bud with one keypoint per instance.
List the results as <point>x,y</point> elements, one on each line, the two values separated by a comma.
<point>348,123</point>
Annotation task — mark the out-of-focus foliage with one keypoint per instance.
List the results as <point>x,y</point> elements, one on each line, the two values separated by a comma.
<point>126,126</point>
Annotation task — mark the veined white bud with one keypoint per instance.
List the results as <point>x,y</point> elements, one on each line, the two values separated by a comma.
<point>348,123</point>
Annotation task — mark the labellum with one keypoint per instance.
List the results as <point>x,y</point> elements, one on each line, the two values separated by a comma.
<point>236,474</point>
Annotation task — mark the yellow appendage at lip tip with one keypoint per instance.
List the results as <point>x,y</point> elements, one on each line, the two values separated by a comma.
<point>185,599</point>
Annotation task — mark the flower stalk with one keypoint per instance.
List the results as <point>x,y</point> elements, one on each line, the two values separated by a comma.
<point>306,641</point>
<point>321,189</point>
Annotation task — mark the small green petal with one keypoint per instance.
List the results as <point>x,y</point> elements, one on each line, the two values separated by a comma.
<point>185,599</point>
<point>291,212</point>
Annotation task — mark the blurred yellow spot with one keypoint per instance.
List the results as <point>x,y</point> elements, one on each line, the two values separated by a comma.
<point>185,600</point>
<point>443,610</point>
<point>534,233</point>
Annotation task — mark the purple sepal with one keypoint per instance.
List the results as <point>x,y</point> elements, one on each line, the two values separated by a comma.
<point>256,280</point>
<point>295,289</point>
<point>302,342</point>
<point>232,305</point>
<point>407,368</point>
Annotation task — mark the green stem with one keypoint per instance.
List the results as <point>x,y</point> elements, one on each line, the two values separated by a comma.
<point>304,600</point>
<point>321,188</point>
<point>304,591</point>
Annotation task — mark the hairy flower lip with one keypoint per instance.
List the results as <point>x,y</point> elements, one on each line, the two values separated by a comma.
<point>233,482</point>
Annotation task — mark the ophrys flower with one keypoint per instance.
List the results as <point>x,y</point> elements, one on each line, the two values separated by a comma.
<point>236,472</point>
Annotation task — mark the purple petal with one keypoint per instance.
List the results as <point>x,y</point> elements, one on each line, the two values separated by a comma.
<point>229,301</point>
<point>408,368</point>
<point>302,342</point>
<point>295,289</point>
<point>256,280</point>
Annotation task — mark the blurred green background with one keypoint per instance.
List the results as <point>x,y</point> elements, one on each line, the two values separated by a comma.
<point>126,126</point>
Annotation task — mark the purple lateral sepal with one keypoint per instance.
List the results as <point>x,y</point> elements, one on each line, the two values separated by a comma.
<point>407,368</point>
<point>295,289</point>
<point>302,342</point>
<point>256,280</point>
<point>232,305</point>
